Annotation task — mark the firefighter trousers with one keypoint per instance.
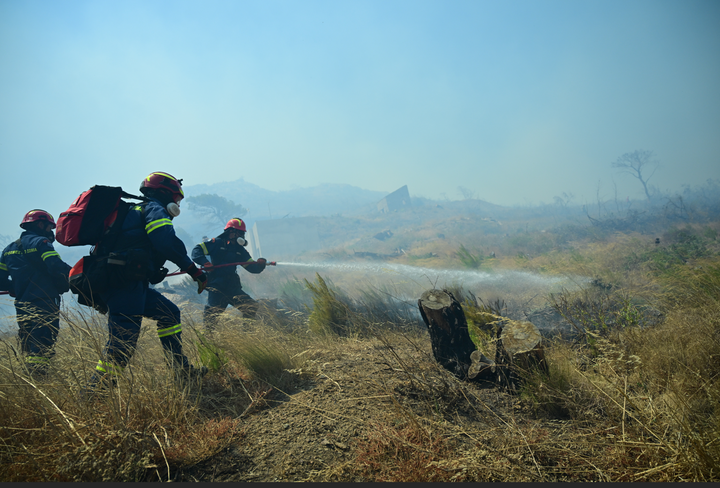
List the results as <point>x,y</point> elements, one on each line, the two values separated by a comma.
<point>38,326</point>
<point>127,305</point>
<point>220,298</point>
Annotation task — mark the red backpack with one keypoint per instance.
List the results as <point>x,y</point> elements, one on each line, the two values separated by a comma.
<point>91,216</point>
<point>96,215</point>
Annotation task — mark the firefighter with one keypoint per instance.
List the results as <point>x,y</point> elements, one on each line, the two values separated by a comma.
<point>224,287</point>
<point>136,259</point>
<point>33,272</point>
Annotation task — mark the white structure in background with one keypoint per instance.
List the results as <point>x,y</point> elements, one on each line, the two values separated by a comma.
<point>283,238</point>
<point>396,200</point>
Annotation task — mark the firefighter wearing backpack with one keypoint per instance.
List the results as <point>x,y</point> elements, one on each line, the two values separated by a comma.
<point>32,271</point>
<point>146,240</point>
<point>224,287</point>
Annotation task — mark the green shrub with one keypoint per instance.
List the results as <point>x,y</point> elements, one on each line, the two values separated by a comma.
<point>329,315</point>
<point>469,260</point>
<point>266,361</point>
<point>211,355</point>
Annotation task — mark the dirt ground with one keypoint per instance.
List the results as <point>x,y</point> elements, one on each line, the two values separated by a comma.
<point>346,393</point>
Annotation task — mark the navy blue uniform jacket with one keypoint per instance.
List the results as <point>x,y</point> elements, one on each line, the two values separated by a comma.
<point>149,226</point>
<point>224,251</point>
<point>36,269</point>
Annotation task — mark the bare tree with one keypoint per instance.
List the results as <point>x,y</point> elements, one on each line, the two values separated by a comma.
<point>216,208</point>
<point>467,193</point>
<point>564,200</point>
<point>635,164</point>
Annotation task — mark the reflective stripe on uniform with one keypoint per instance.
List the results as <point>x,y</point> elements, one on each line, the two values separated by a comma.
<point>48,254</point>
<point>175,329</point>
<point>108,368</point>
<point>205,251</point>
<point>3,267</point>
<point>155,224</point>
<point>36,359</point>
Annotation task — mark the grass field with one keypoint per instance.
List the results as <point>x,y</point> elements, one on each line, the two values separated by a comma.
<point>343,361</point>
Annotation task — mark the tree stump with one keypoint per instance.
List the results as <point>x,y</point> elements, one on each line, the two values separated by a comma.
<point>518,343</point>
<point>518,350</point>
<point>451,343</point>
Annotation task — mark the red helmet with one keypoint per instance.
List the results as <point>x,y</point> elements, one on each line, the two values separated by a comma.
<point>163,181</point>
<point>37,215</point>
<point>235,224</point>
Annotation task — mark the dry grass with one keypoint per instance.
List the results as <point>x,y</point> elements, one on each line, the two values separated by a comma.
<point>635,398</point>
<point>147,426</point>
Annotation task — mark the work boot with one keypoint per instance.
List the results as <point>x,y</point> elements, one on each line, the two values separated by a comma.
<point>37,365</point>
<point>189,374</point>
<point>99,386</point>
<point>38,371</point>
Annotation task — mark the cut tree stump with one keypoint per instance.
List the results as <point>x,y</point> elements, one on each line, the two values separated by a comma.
<point>451,343</point>
<point>518,343</point>
<point>518,350</point>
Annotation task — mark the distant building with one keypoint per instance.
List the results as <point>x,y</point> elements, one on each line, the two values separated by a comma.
<point>284,238</point>
<point>398,199</point>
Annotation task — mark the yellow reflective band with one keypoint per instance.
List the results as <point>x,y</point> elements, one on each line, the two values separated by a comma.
<point>136,207</point>
<point>48,254</point>
<point>108,368</point>
<point>155,224</point>
<point>3,267</point>
<point>205,251</point>
<point>175,329</point>
<point>36,360</point>
<point>161,174</point>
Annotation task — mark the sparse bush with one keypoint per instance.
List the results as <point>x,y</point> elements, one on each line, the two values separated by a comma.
<point>266,361</point>
<point>330,315</point>
<point>469,260</point>
<point>210,354</point>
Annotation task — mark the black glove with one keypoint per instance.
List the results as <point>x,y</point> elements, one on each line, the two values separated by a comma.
<point>158,276</point>
<point>259,265</point>
<point>199,277</point>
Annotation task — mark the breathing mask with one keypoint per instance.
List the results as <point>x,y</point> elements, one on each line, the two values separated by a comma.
<point>173,209</point>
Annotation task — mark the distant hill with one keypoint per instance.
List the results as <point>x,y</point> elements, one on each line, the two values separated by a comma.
<point>319,201</point>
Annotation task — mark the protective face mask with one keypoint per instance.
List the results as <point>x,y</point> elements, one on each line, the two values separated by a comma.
<point>173,209</point>
<point>241,241</point>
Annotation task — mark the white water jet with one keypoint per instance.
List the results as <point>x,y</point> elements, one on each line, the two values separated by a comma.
<point>444,277</point>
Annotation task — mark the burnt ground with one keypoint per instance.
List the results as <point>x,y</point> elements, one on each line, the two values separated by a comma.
<point>354,401</point>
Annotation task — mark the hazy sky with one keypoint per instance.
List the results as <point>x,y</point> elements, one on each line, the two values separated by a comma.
<point>518,101</point>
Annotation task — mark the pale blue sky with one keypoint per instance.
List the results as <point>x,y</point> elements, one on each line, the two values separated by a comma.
<point>518,101</point>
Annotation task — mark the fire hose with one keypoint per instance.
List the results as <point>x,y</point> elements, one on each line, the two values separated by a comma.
<point>268,263</point>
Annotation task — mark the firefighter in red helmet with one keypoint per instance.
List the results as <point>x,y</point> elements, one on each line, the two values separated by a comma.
<point>33,272</point>
<point>146,241</point>
<point>224,287</point>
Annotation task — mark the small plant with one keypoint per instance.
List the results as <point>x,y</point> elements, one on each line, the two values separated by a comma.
<point>211,356</point>
<point>266,361</point>
<point>469,260</point>
<point>329,315</point>
<point>482,320</point>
